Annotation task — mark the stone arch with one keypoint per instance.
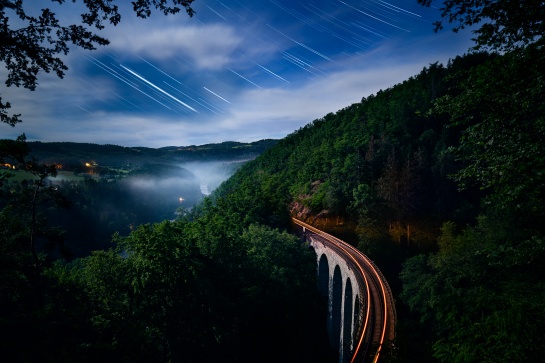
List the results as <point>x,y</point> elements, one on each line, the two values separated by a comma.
<point>356,317</point>
<point>336,305</point>
<point>347,320</point>
<point>340,284</point>
<point>323,275</point>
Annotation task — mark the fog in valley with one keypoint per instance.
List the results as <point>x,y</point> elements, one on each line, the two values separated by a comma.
<point>149,194</point>
<point>210,174</point>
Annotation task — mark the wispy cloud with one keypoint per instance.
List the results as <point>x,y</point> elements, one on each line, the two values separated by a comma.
<point>207,47</point>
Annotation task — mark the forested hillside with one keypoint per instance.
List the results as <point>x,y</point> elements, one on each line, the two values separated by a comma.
<point>73,155</point>
<point>441,180</point>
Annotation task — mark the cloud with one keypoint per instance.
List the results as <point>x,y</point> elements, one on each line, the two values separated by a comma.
<point>208,47</point>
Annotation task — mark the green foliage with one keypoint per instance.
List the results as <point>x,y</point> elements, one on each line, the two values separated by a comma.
<point>196,290</point>
<point>504,124</point>
<point>482,292</point>
<point>480,296</point>
<point>389,145</point>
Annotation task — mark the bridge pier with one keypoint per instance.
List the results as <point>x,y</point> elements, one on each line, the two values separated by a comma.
<point>338,282</point>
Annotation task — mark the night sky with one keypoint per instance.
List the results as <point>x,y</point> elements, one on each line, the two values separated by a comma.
<point>237,71</point>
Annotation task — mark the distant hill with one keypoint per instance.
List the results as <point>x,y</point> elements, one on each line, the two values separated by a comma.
<point>71,154</point>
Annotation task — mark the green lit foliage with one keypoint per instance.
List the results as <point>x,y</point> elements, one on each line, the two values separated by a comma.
<point>389,145</point>
<point>502,115</point>
<point>480,296</point>
<point>482,293</point>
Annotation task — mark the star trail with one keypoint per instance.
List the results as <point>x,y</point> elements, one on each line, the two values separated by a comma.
<point>238,70</point>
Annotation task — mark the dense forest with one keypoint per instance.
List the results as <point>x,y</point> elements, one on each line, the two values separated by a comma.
<point>439,179</point>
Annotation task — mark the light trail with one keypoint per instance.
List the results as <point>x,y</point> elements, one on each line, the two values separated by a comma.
<point>324,16</point>
<point>112,72</point>
<point>398,8</point>
<point>209,104</point>
<point>157,88</point>
<point>340,244</point>
<point>174,79</point>
<point>381,10</point>
<point>300,17</point>
<point>301,44</point>
<point>215,12</point>
<point>301,64</point>
<point>358,24</point>
<point>356,256</point>
<point>122,79</point>
<point>129,102</point>
<point>215,94</point>
<point>271,72</point>
<point>374,17</point>
<point>191,98</point>
<point>244,78</point>
<point>78,106</point>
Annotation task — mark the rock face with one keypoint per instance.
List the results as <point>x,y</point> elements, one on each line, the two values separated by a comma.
<point>325,220</point>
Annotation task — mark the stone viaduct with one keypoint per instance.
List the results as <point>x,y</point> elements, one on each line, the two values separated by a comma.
<point>361,311</point>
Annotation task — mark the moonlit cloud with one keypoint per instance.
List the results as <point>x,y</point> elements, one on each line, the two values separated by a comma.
<point>207,47</point>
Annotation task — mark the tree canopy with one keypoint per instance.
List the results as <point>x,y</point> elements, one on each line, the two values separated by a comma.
<point>500,24</point>
<point>30,44</point>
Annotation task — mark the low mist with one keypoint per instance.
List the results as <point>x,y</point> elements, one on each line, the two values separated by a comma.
<point>149,194</point>
<point>210,174</point>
